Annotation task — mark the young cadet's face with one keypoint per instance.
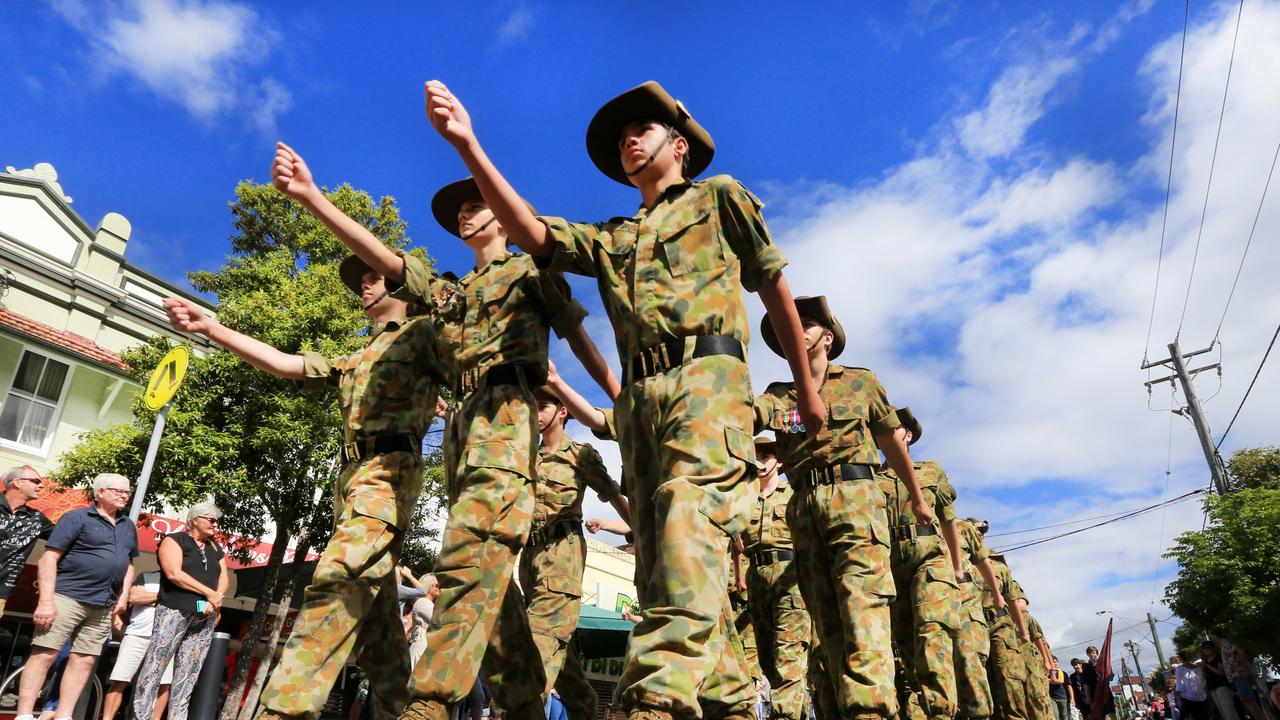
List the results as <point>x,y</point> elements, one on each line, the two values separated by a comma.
<point>371,287</point>
<point>644,138</point>
<point>472,216</point>
<point>767,463</point>
<point>816,336</point>
<point>548,414</point>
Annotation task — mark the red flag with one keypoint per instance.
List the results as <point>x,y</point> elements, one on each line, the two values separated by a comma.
<point>1102,697</point>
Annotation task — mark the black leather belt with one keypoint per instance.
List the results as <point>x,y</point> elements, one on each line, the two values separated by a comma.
<point>381,444</point>
<point>992,613</point>
<point>965,578</point>
<point>769,557</point>
<point>504,374</point>
<point>911,532</point>
<point>545,535</point>
<point>664,356</point>
<point>833,474</point>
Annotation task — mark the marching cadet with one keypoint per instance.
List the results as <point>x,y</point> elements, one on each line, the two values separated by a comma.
<point>973,642</point>
<point>926,611</point>
<point>1006,670</point>
<point>838,513</point>
<point>387,392</point>
<point>671,276</point>
<point>777,610</point>
<point>554,559</point>
<point>1039,661</point>
<point>740,606</point>
<point>495,320</point>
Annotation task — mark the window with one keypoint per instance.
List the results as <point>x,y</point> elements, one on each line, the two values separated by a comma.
<point>29,409</point>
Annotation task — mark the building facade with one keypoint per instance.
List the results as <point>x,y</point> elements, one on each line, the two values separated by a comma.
<point>69,304</point>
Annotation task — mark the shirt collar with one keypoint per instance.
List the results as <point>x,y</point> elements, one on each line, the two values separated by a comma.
<point>392,325</point>
<point>470,277</point>
<point>668,194</point>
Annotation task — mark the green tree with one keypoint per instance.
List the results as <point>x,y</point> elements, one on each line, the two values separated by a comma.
<point>264,451</point>
<point>1254,468</point>
<point>1229,573</point>
<point>1188,637</point>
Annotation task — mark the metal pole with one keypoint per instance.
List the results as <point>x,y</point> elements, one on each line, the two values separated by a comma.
<point>1155,639</point>
<point>1133,650</point>
<point>1197,417</point>
<point>147,462</point>
<point>206,697</point>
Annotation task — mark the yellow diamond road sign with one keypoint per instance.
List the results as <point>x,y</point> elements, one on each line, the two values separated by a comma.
<point>166,378</point>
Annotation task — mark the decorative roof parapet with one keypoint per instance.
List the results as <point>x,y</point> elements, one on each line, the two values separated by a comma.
<point>42,171</point>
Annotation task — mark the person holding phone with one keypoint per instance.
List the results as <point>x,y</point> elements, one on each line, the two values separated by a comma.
<point>193,580</point>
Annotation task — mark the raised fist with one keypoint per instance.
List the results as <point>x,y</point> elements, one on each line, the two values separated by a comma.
<point>289,173</point>
<point>185,316</point>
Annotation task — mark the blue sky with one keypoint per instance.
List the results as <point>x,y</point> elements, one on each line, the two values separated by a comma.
<point>978,187</point>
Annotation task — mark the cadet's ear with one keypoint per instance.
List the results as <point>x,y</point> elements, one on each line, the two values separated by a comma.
<point>681,147</point>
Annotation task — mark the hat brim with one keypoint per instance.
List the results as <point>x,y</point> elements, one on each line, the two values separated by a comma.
<point>648,101</point>
<point>908,420</point>
<point>352,272</point>
<point>815,308</point>
<point>766,443</point>
<point>448,199</point>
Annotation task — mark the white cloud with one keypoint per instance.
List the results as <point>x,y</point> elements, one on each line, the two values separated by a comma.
<point>1007,303</point>
<point>516,26</point>
<point>199,55</point>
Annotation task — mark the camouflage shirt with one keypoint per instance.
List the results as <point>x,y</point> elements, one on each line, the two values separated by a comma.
<point>563,473</point>
<point>857,409</point>
<point>974,550</point>
<point>676,269</point>
<point>1009,587</point>
<point>768,529</point>
<point>390,385</point>
<point>931,477</point>
<point>498,314</point>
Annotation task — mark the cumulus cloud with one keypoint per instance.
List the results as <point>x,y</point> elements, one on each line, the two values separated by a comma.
<point>1007,303</point>
<point>203,56</point>
<point>516,26</point>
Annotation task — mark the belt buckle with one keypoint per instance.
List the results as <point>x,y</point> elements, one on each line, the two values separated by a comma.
<point>351,451</point>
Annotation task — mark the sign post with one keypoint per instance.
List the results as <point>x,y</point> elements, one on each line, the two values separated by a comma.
<point>164,384</point>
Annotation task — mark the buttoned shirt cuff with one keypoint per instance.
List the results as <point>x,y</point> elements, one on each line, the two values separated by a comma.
<point>886,424</point>
<point>610,493</point>
<point>316,372</point>
<point>766,265</point>
<point>946,512</point>
<point>568,318</point>
<point>563,256</point>
<point>417,283</point>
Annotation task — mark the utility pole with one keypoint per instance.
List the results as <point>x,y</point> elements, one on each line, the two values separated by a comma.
<point>1133,650</point>
<point>1155,640</point>
<point>1126,688</point>
<point>1176,362</point>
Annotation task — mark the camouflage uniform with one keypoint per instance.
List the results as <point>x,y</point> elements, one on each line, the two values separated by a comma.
<point>552,564</point>
<point>1037,677</point>
<point>1006,670</point>
<point>743,619</point>
<point>671,276</point>
<point>777,609</point>
<point>496,321</point>
<point>387,389</point>
<point>841,532</point>
<point>973,643</point>
<point>926,612</point>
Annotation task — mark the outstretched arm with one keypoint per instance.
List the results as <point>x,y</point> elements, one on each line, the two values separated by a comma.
<point>777,299</point>
<point>989,577</point>
<point>290,175</point>
<point>589,355</point>
<point>951,533</point>
<point>617,527</point>
<point>623,508</point>
<point>451,120</point>
<point>185,316</point>
<point>578,406</point>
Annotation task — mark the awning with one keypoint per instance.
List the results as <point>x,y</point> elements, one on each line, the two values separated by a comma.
<point>602,633</point>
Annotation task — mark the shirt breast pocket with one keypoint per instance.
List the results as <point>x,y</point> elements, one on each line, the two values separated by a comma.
<point>499,300</point>
<point>846,426</point>
<point>692,245</point>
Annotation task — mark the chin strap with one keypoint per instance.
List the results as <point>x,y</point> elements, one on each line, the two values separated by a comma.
<point>652,156</point>
<point>479,230</point>
<point>376,300</point>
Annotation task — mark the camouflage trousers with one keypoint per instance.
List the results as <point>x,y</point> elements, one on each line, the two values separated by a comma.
<point>728,692</point>
<point>351,602</point>
<point>744,624</point>
<point>972,646</point>
<point>783,631</point>
<point>551,576</point>
<point>480,614</point>
<point>842,559</point>
<point>1038,702</point>
<point>825,703</point>
<point>1007,672</point>
<point>926,614</point>
<point>686,458</point>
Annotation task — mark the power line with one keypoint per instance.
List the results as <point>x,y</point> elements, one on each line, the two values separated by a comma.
<point>1213,161</point>
<point>1039,541</point>
<point>1250,389</point>
<point>1168,185</point>
<point>1249,242</point>
<point>1064,523</point>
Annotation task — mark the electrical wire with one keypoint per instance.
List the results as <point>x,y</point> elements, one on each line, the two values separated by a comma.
<point>1213,161</point>
<point>1256,373</point>
<point>1064,523</point>
<point>1039,541</point>
<point>1262,200</point>
<point>1168,185</point>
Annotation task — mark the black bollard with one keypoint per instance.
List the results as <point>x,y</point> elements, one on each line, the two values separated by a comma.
<point>205,698</point>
